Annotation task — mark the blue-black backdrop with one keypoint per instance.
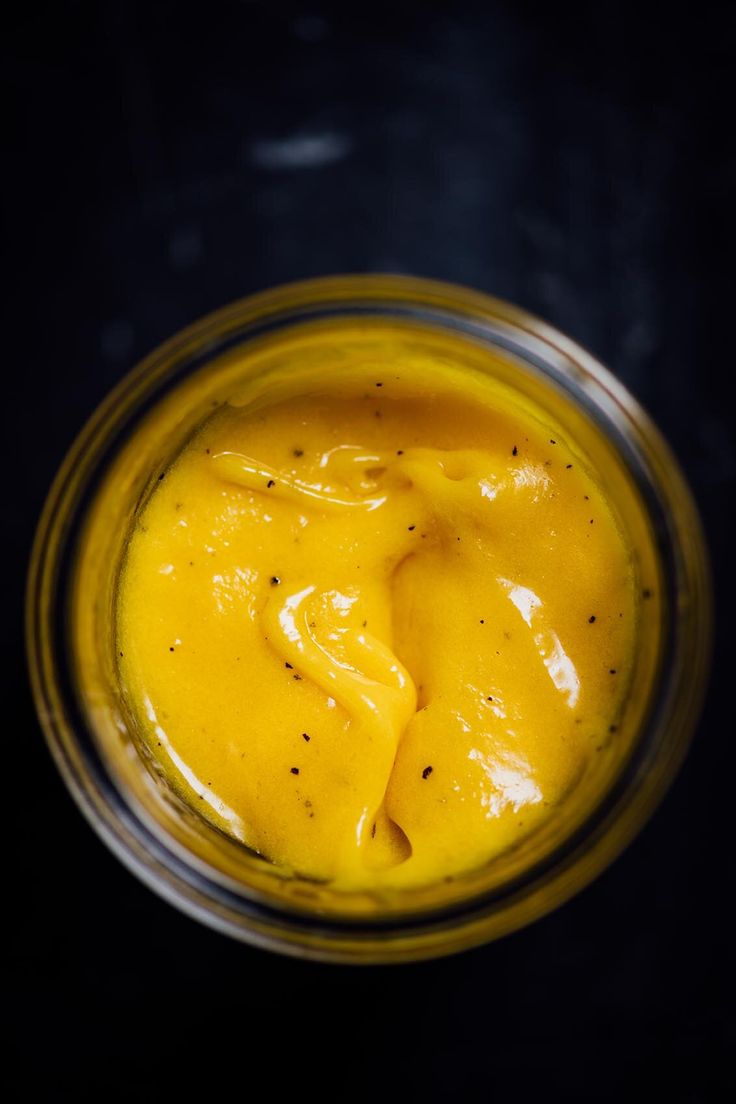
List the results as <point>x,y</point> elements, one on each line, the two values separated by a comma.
<point>165,158</point>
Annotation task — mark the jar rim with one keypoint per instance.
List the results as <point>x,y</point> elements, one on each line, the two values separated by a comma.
<point>634,794</point>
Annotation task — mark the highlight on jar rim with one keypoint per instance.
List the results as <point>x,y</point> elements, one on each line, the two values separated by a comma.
<point>368,619</point>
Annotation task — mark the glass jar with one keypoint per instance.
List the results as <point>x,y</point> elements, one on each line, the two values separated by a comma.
<point>78,551</point>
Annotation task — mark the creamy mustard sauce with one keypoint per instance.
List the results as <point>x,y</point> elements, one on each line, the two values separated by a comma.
<point>378,637</point>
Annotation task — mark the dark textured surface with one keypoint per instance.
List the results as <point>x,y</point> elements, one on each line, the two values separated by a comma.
<point>167,158</point>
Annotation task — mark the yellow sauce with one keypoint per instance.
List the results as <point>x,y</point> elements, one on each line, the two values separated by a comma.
<point>377,632</point>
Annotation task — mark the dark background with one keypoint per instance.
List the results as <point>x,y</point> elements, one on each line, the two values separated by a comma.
<point>165,158</point>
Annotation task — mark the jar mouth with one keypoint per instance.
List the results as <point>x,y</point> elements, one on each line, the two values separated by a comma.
<point>288,924</point>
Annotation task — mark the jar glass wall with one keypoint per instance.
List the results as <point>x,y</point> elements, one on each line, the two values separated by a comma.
<point>109,474</point>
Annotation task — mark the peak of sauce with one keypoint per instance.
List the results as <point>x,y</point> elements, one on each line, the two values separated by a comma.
<point>378,636</point>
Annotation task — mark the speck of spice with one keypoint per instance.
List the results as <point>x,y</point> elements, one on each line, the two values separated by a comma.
<point>399,452</point>
<point>171,649</point>
<point>552,442</point>
<point>289,665</point>
<point>379,385</point>
<point>514,451</point>
<point>426,773</point>
<point>412,528</point>
<point>489,698</point>
<point>591,619</point>
<point>591,521</point>
<point>482,621</point>
<point>373,832</point>
<point>568,466</point>
<point>294,770</point>
<point>121,655</point>
<point>271,483</point>
<point>298,452</point>
<point>364,624</point>
<point>306,736</point>
<point>161,476</point>
<point>298,678</point>
<point>646,593</point>
<point>613,728</point>
<point>377,414</point>
<point>612,670</point>
<point>275,580</point>
<point>207,451</point>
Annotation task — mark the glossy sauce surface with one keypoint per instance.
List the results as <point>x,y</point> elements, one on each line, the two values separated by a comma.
<point>378,636</point>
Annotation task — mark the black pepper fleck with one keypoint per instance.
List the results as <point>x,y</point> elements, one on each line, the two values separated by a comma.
<point>275,580</point>
<point>294,770</point>
<point>298,452</point>
<point>514,451</point>
<point>271,483</point>
<point>646,593</point>
<point>552,442</point>
<point>373,832</point>
<point>426,772</point>
<point>412,528</point>
<point>568,465</point>
<point>289,665</point>
<point>306,736</point>
<point>399,452</point>
<point>161,476</point>
<point>171,649</point>
<point>612,671</point>
<point>298,678</point>
<point>379,385</point>
<point>591,619</point>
